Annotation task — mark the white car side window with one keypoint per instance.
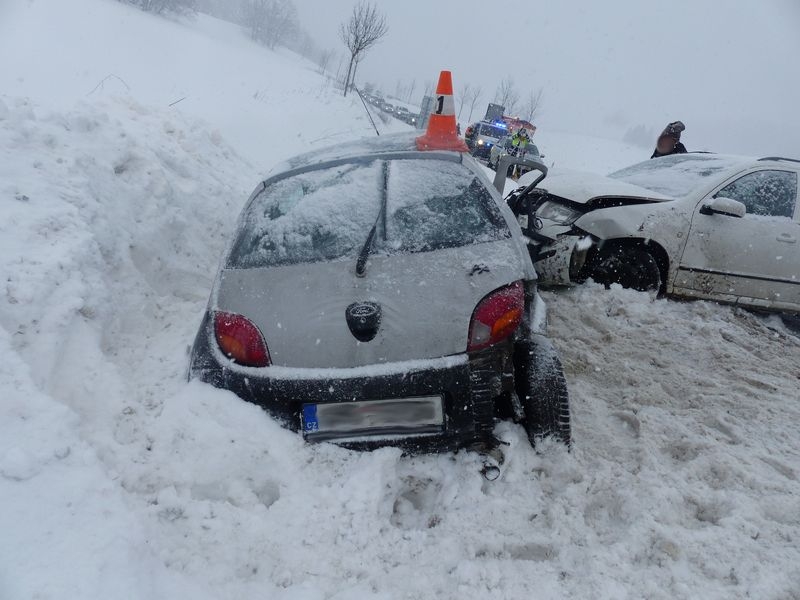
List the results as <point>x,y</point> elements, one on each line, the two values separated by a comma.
<point>764,193</point>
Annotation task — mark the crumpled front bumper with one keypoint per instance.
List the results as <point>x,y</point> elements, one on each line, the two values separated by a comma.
<point>562,261</point>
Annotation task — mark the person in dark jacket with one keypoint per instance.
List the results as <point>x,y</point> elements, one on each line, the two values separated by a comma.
<point>669,142</point>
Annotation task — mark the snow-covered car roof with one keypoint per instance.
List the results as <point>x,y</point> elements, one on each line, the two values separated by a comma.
<point>659,179</point>
<point>678,175</point>
<point>398,142</point>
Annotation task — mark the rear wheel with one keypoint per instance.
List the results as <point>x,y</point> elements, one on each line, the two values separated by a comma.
<point>630,266</point>
<point>542,390</point>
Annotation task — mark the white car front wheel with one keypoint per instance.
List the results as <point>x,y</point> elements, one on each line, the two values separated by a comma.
<point>630,266</point>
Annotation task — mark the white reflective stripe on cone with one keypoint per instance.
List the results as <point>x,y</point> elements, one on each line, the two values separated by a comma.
<point>445,105</point>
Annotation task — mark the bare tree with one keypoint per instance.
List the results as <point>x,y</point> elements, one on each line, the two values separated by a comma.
<point>254,16</point>
<point>474,95</point>
<point>271,22</point>
<point>364,29</point>
<point>463,94</point>
<point>227,11</point>
<point>507,95</point>
<point>428,89</point>
<point>411,87</point>
<point>324,60</point>
<point>161,6</point>
<point>305,44</point>
<point>353,74</point>
<point>533,104</point>
<point>640,135</point>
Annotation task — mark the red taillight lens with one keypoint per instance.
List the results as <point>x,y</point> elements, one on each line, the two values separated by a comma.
<point>240,340</point>
<point>497,316</point>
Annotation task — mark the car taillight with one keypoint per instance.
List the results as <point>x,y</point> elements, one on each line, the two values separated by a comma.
<point>497,316</point>
<point>240,340</point>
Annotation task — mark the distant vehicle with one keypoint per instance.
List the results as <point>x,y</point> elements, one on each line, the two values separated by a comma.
<point>387,107</point>
<point>402,113</point>
<point>408,117</point>
<point>374,294</point>
<point>695,225</point>
<point>504,146</point>
<point>481,136</point>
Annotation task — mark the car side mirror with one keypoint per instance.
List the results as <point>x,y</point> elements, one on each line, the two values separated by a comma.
<point>541,156</point>
<point>724,206</point>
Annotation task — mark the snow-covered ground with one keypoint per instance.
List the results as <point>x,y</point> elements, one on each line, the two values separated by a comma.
<point>120,480</point>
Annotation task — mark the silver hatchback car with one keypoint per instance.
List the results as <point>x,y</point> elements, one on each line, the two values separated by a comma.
<point>375,294</point>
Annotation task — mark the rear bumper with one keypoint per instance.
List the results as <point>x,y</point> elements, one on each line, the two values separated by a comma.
<point>467,384</point>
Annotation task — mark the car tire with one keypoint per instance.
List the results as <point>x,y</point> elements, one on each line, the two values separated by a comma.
<point>631,267</point>
<point>542,390</point>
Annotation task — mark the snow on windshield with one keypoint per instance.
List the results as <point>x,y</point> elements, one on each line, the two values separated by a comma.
<point>321,214</point>
<point>677,175</point>
<point>435,204</point>
<point>328,213</point>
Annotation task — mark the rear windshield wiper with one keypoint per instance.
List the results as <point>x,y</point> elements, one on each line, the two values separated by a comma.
<point>361,263</point>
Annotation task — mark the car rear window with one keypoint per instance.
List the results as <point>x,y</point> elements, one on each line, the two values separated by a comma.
<point>327,214</point>
<point>434,204</point>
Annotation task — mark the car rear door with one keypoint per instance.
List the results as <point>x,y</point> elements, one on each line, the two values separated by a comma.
<point>754,260</point>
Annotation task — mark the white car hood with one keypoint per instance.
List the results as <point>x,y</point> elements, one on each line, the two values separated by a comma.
<point>581,187</point>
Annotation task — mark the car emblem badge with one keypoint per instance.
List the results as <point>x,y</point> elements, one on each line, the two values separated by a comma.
<point>363,319</point>
<point>479,268</point>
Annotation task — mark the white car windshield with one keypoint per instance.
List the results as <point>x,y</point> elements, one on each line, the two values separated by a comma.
<point>677,175</point>
<point>492,130</point>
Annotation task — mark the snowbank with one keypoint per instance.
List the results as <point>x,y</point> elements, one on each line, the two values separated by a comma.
<point>97,203</point>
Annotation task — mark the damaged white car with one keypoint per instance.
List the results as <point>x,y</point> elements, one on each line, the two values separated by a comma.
<point>691,225</point>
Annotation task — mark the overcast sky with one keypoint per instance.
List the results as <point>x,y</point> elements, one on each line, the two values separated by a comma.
<point>727,68</point>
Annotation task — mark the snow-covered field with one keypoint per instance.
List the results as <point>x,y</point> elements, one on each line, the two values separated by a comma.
<point>120,480</point>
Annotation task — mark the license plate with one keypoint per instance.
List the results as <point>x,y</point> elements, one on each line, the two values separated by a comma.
<point>422,414</point>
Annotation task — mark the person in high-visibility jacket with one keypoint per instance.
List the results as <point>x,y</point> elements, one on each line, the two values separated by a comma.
<point>520,141</point>
<point>519,145</point>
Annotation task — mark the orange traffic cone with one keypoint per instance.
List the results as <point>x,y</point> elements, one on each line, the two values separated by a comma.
<point>441,133</point>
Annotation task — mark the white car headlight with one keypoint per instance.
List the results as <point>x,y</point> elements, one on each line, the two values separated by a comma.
<point>558,213</point>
